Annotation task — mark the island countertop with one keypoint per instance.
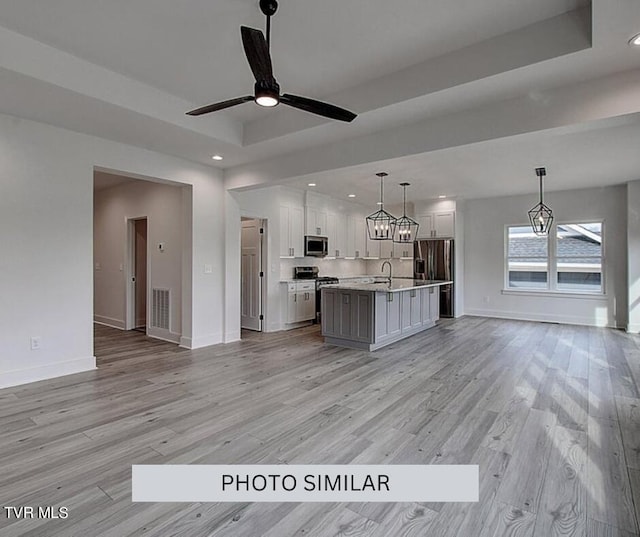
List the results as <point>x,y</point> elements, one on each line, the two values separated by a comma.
<point>396,285</point>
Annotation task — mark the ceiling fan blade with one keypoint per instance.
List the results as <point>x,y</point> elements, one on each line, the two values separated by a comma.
<point>317,107</point>
<point>219,106</point>
<point>257,52</point>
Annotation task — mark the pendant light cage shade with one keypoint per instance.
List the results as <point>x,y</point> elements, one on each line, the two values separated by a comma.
<point>381,225</point>
<point>406,228</point>
<point>541,216</point>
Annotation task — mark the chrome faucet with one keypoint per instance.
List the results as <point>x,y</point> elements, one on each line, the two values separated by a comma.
<point>390,270</point>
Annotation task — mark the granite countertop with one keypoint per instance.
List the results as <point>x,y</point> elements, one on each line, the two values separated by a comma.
<point>396,285</point>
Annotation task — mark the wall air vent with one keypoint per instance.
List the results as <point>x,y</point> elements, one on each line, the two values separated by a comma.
<point>160,308</point>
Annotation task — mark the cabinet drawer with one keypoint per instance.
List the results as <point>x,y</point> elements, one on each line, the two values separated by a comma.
<point>307,286</point>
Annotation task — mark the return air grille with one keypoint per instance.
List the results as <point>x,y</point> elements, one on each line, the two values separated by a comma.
<point>160,309</point>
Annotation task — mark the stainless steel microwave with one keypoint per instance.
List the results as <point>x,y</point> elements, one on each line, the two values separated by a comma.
<point>315,246</point>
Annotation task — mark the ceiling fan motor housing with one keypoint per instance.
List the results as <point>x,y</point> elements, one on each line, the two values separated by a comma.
<point>268,7</point>
<point>267,88</point>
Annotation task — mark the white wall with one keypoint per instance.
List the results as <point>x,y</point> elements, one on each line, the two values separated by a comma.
<point>46,235</point>
<point>633,242</point>
<point>484,235</point>
<point>162,206</point>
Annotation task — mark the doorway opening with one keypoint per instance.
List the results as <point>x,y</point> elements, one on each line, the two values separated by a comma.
<point>252,274</point>
<point>137,248</point>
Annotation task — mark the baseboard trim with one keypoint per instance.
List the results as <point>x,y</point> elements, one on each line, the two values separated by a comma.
<point>633,328</point>
<point>547,317</point>
<point>108,321</point>
<point>45,372</point>
<point>164,335</point>
<point>204,341</point>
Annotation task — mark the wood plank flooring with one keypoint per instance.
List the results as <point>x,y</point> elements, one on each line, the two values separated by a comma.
<point>551,413</point>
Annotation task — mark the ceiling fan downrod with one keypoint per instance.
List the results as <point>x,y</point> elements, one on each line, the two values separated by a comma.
<point>269,8</point>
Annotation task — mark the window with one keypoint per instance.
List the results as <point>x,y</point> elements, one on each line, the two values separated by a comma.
<point>528,259</point>
<point>568,260</point>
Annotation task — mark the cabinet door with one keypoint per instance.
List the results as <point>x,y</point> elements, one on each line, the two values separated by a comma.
<point>329,312</point>
<point>315,221</point>
<point>360,236</point>
<point>425,226</point>
<point>306,306</point>
<point>344,314</point>
<point>434,304</point>
<point>285,244</point>
<point>296,221</point>
<point>402,249</point>
<point>351,236</point>
<point>444,224</point>
<point>415,298</point>
<point>405,310</point>
<point>394,308</point>
<point>371,248</point>
<point>341,235</point>
<point>425,309</point>
<point>292,303</point>
<point>386,249</point>
<point>332,235</point>
<point>362,319</point>
<point>310,215</point>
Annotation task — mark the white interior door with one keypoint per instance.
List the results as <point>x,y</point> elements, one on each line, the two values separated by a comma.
<point>251,269</point>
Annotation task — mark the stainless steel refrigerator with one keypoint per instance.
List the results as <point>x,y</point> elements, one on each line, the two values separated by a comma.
<point>433,259</point>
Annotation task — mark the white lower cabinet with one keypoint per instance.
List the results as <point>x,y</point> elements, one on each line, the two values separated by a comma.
<point>370,320</point>
<point>301,302</point>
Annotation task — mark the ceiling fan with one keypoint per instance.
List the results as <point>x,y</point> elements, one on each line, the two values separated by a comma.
<point>267,90</point>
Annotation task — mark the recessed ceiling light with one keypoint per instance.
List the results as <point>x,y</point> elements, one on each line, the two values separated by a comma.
<point>352,195</point>
<point>312,184</point>
<point>216,157</point>
<point>442,197</point>
<point>635,40</point>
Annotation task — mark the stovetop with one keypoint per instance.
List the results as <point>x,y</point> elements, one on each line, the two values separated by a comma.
<point>326,280</point>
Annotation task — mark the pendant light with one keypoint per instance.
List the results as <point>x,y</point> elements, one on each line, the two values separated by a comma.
<point>381,225</point>
<point>406,228</point>
<point>541,216</point>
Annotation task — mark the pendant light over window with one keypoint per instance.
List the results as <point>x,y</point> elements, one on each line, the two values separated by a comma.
<point>541,216</point>
<point>381,225</point>
<point>406,228</point>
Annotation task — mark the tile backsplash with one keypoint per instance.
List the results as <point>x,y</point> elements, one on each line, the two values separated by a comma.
<point>345,267</point>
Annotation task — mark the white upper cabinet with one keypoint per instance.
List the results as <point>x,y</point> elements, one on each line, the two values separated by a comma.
<point>315,211</point>
<point>291,237</point>
<point>355,236</point>
<point>316,222</point>
<point>436,225</point>
<point>337,234</point>
<point>402,250</point>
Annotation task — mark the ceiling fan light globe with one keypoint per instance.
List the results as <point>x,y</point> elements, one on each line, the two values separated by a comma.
<point>267,101</point>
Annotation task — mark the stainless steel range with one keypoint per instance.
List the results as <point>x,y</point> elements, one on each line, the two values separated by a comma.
<point>311,273</point>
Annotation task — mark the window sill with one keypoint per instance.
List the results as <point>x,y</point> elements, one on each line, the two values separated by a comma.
<point>555,294</point>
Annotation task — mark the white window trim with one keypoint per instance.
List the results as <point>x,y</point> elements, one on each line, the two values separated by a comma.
<point>551,289</point>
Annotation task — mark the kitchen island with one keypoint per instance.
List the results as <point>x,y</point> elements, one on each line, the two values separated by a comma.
<point>371,315</point>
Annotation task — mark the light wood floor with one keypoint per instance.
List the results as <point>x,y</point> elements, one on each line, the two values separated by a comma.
<point>551,413</point>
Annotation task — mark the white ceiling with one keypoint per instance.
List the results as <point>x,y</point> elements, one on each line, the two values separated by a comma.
<point>459,97</point>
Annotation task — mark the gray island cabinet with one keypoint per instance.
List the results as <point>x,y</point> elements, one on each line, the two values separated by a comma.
<point>370,316</point>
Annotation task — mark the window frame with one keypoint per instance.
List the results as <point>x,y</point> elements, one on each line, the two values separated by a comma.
<point>552,263</point>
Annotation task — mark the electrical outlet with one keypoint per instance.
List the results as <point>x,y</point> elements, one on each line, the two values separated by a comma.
<point>486,299</point>
<point>208,269</point>
<point>36,343</point>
